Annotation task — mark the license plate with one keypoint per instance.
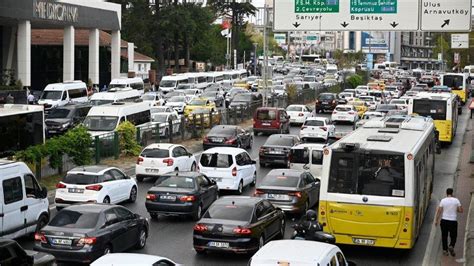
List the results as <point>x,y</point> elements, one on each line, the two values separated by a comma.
<point>168,197</point>
<point>325,102</point>
<point>276,152</point>
<point>278,196</point>
<point>52,131</point>
<point>149,170</point>
<point>219,244</point>
<point>75,190</point>
<point>363,241</point>
<point>341,117</point>
<point>59,241</point>
<point>217,140</point>
<point>266,124</point>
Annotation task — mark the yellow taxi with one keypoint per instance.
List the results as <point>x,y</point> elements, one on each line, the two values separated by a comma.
<point>204,118</point>
<point>359,105</point>
<point>199,103</point>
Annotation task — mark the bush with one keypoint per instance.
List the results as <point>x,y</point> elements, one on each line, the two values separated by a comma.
<point>354,81</point>
<point>127,139</point>
<point>292,92</point>
<point>78,142</point>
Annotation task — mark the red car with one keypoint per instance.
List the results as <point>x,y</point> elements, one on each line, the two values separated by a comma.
<point>271,120</point>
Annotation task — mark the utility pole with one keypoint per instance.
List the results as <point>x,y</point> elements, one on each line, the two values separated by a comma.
<point>265,55</point>
<point>255,61</point>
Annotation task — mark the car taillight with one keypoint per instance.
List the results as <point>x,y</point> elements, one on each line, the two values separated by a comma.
<point>87,241</point>
<point>333,101</point>
<point>200,228</point>
<point>40,237</point>
<point>139,160</point>
<point>324,128</point>
<point>187,198</point>
<point>168,161</point>
<point>242,231</point>
<point>351,113</point>
<point>334,112</point>
<point>262,151</point>
<point>94,187</point>
<point>234,171</point>
<point>295,194</point>
<point>258,192</point>
<point>150,196</point>
<point>230,141</point>
<point>60,185</point>
<point>300,114</point>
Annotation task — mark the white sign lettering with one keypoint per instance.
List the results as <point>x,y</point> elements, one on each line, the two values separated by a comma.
<point>55,11</point>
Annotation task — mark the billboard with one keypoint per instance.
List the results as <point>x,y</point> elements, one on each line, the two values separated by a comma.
<point>375,42</point>
<point>280,38</point>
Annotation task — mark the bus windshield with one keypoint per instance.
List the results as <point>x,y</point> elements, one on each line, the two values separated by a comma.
<point>100,123</point>
<point>432,108</point>
<point>453,81</point>
<point>367,173</point>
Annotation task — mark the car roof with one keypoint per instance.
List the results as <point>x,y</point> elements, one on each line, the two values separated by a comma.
<point>91,207</point>
<point>225,150</point>
<point>90,169</point>
<point>294,251</point>
<point>285,172</point>
<point>240,200</point>
<point>165,146</point>
<point>319,118</point>
<point>309,145</point>
<point>128,258</point>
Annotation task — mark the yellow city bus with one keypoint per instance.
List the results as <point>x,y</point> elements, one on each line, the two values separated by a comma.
<point>458,84</point>
<point>376,182</point>
<point>442,108</point>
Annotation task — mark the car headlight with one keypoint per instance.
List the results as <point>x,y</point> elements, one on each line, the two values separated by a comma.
<point>65,125</point>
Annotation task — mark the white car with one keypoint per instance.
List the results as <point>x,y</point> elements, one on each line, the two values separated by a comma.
<point>316,128</point>
<point>163,120</point>
<point>163,158</point>
<point>95,183</point>
<point>298,252</point>
<point>119,259</point>
<point>367,116</point>
<point>153,97</point>
<point>163,109</point>
<point>370,100</point>
<point>231,168</point>
<point>345,113</point>
<point>178,103</point>
<point>402,104</point>
<point>298,113</point>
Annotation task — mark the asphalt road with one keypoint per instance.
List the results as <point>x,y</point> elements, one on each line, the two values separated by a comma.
<point>172,237</point>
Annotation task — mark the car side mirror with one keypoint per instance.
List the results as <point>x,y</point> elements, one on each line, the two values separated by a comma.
<point>43,192</point>
<point>253,162</point>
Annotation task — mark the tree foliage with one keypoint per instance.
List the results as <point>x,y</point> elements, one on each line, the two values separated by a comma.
<point>127,139</point>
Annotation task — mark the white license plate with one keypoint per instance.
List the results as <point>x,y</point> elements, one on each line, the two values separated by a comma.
<point>219,244</point>
<point>266,124</point>
<point>149,170</point>
<point>278,197</point>
<point>275,152</point>
<point>325,102</point>
<point>217,140</point>
<point>75,190</point>
<point>363,241</point>
<point>168,197</point>
<point>341,117</point>
<point>59,241</point>
<point>52,131</point>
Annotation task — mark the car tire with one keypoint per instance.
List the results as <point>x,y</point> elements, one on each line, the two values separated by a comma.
<point>139,178</point>
<point>106,200</point>
<point>261,242</point>
<point>281,234</point>
<point>193,168</point>
<point>254,180</point>
<point>240,189</point>
<point>108,249</point>
<point>197,214</point>
<point>154,216</point>
<point>133,195</point>
<point>42,222</point>
<point>142,236</point>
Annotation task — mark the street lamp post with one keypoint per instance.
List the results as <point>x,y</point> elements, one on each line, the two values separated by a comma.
<point>255,58</point>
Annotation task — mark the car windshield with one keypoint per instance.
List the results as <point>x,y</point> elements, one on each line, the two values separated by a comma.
<point>435,109</point>
<point>80,179</point>
<point>266,114</point>
<point>120,86</point>
<point>217,160</point>
<point>51,95</point>
<point>58,113</point>
<point>168,83</point>
<point>279,140</point>
<point>231,212</point>
<point>155,153</point>
<point>343,109</point>
<point>198,102</point>
<point>201,111</point>
<point>294,108</point>
<point>397,102</point>
<point>243,97</point>
<point>309,79</point>
<point>155,110</point>
<point>367,173</point>
<point>326,97</point>
<point>148,97</point>
<point>222,130</point>
<point>75,219</point>
<point>177,99</point>
<point>183,86</point>
<point>176,182</point>
<point>314,123</point>
<point>159,118</point>
<point>100,123</point>
<point>280,181</point>
<point>190,92</point>
<point>101,102</point>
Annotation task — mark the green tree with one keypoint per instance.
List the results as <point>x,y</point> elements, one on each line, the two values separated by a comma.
<point>127,139</point>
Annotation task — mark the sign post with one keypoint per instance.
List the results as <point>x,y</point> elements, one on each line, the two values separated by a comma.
<point>445,15</point>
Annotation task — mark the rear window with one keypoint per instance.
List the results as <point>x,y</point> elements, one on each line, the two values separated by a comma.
<point>314,123</point>
<point>176,182</point>
<point>279,141</point>
<point>216,160</point>
<point>294,108</point>
<point>326,97</point>
<point>343,109</point>
<point>299,156</point>
<point>78,179</point>
<point>280,181</point>
<point>229,212</point>
<point>155,153</point>
<point>228,131</point>
<point>266,114</point>
<point>75,219</point>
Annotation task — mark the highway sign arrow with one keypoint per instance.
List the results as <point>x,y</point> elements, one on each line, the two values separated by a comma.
<point>394,24</point>
<point>296,24</point>
<point>344,24</point>
<point>446,22</point>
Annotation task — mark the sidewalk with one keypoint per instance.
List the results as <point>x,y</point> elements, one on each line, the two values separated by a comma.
<point>462,190</point>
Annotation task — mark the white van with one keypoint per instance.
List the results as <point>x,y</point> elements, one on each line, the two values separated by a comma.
<point>199,79</point>
<point>331,69</point>
<point>469,70</point>
<point>169,83</point>
<point>106,97</point>
<point>307,157</point>
<point>60,94</point>
<point>215,77</point>
<point>125,83</point>
<point>24,206</point>
<point>106,118</point>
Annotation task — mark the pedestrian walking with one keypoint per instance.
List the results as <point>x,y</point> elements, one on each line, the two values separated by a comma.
<point>447,211</point>
<point>30,98</point>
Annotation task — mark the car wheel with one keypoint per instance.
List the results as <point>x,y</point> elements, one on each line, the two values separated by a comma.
<point>193,168</point>
<point>281,234</point>
<point>254,180</point>
<point>139,178</point>
<point>306,208</point>
<point>154,216</point>
<point>261,242</point>
<point>141,243</point>
<point>106,200</point>
<point>133,194</point>
<point>107,249</point>
<point>198,213</point>
<point>42,221</point>
<point>240,188</point>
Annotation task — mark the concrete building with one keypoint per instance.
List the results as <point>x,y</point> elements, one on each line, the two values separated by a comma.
<point>417,50</point>
<point>18,18</point>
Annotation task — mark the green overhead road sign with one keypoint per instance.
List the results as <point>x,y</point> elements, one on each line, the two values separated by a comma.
<point>316,6</point>
<point>374,6</point>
